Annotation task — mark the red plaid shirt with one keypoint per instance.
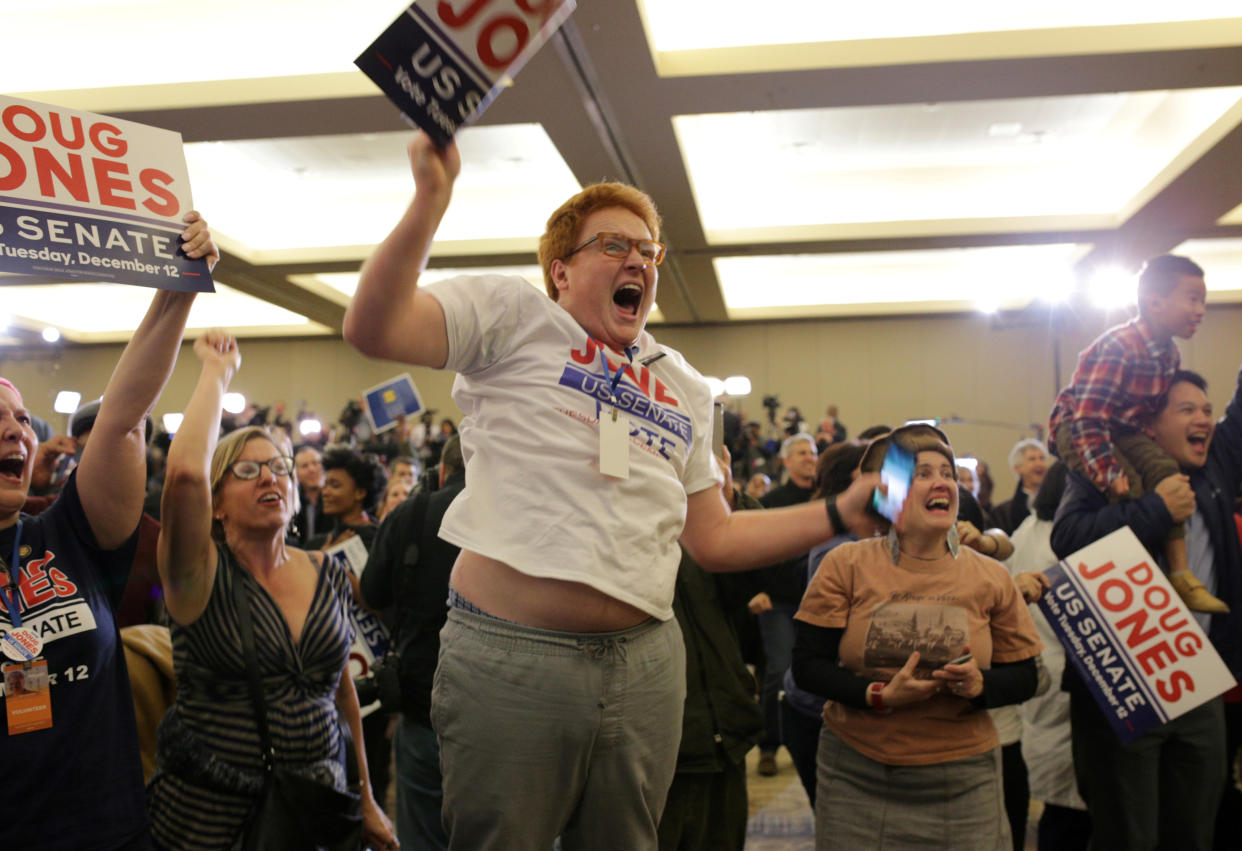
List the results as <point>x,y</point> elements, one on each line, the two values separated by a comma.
<point>1118,382</point>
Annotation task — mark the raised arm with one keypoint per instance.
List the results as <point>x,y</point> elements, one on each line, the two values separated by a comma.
<point>113,474</point>
<point>721,541</point>
<point>186,555</point>
<point>388,316</point>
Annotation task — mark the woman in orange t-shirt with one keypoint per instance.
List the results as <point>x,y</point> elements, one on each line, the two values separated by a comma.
<point>911,639</point>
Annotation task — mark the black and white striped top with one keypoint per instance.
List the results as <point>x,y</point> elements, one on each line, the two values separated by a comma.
<point>215,708</point>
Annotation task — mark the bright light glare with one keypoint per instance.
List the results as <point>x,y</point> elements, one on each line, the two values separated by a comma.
<point>1004,277</point>
<point>1112,287</point>
<point>987,305</point>
<point>234,403</point>
<point>172,422</point>
<point>932,422</point>
<point>1058,288</point>
<point>66,401</point>
<point>737,385</point>
<point>310,426</point>
<point>968,462</point>
<point>51,334</point>
<point>717,386</point>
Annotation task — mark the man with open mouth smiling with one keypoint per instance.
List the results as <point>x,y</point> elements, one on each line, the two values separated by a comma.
<point>558,697</point>
<point>1163,789</point>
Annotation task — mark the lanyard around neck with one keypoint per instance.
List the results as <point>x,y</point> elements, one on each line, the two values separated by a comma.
<point>9,591</point>
<point>614,380</point>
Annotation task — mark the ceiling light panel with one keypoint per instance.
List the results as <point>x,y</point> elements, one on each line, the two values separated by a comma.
<point>863,283</point>
<point>236,36</point>
<point>920,169</point>
<point>1221,260</point>
<point>1233,217</point>
<point>337,196</point>
<point>700,37</point>
<point>705,24</point>
<point>111,312</point>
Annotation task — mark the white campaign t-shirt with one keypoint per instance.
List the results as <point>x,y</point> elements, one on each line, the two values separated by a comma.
<point>532,386</point>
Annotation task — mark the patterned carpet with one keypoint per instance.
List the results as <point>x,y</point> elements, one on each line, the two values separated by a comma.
<point>780,814</point>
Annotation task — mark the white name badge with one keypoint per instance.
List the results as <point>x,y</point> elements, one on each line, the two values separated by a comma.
<point>614,444</point>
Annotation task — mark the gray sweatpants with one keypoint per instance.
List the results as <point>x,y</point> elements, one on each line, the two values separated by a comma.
<point>545,733</point>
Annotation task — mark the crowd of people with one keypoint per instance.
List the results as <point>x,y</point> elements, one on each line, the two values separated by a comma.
<point>544,621</point>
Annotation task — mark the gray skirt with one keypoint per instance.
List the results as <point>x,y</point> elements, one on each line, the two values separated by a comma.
<point>861,803</point>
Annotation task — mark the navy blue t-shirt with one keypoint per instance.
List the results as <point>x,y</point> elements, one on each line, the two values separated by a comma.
<point>78,784</point>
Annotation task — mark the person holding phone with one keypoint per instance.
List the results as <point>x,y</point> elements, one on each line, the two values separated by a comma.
<point>911,637</point>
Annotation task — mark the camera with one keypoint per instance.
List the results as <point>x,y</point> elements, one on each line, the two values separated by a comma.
<point>772,403</point>
<point>381,684</point>
<point>351,414</point>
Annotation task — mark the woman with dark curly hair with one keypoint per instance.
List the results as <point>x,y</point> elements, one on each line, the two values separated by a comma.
<point>352,483</point>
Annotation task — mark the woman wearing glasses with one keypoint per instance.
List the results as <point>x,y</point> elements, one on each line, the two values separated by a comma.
<point>225,511</point>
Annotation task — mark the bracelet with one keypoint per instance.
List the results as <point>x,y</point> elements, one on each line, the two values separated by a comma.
<point>834,516</point>
<point>875,697</point>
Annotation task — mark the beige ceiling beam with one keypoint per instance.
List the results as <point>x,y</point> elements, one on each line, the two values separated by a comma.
<point>1188,207</point>
<point>629,94</point>
<point>949,81</point>
<point>273,287</point>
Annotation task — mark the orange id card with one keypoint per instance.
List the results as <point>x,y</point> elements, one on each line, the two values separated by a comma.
<point>27,697</point>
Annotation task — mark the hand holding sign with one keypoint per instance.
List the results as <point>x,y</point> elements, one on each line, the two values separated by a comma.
<point>196,240</point>
<point>435,169</point>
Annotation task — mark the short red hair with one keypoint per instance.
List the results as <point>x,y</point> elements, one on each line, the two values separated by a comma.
<point>561,234</point>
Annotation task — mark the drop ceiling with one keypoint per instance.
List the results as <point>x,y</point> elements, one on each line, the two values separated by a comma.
<point>809,160</point>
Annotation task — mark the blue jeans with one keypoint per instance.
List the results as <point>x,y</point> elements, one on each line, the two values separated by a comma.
<point>419,788</point>
<point>776,628</point>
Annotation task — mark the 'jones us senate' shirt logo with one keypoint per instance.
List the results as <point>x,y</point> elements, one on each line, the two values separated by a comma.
<point>640,394</point>
<point>50,603</point>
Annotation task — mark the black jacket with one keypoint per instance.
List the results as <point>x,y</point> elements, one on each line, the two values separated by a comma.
<point>784,582</point>
<point>1085,515</point>
<point>1010,514</point>
<point>721,721</point>
<point>409,569</point>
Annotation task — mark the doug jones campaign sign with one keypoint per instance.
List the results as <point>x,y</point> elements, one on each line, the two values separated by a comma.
<point>85,197</point>
<point>1131,639</point>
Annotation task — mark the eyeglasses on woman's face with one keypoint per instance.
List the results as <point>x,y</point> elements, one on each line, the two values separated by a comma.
<point>246,469</point>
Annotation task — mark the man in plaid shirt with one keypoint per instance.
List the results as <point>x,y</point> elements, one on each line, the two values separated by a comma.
<point>1097,420</point>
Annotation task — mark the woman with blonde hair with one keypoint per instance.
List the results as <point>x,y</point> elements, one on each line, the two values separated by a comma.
<point>223,561</point>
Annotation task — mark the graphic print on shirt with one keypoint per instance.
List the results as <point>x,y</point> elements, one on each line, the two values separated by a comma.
<point>656,423</point>
<point>50,604</point>
<point>937,630</point>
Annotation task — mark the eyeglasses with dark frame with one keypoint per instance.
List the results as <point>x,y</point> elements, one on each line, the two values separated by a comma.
<point>618,247</point>
<point>246,469</point>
